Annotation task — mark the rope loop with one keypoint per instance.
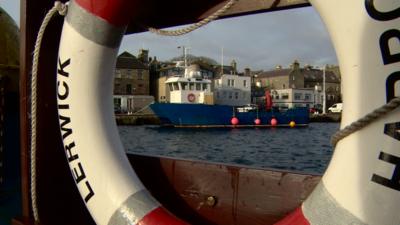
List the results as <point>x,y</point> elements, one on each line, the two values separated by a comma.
<point>364,121</point>
<point>62,10</point>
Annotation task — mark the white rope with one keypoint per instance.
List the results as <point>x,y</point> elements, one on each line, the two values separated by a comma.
<point>196,25</point>
<point>62,10</point>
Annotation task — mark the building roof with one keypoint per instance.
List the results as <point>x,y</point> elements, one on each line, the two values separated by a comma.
<point>274,73</point>
<point>226,70</point>
<point>310,75</point>
<point>316,75</point>
<point>128,61</point>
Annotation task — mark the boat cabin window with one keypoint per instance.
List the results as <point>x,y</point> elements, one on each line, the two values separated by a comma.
<point>191,86</point>
<point>198,87</point>
<point>184,85</point>
<point>204,87</point>
<point>176,86</point>
<point>170,87</point>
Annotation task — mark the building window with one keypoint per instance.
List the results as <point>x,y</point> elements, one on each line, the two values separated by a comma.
<point>198,87</point>
<point>230,95</point>
<point>117,73</point>
<point>283,86</point>
<point>176,86</point>
<point>128,88</point>
<point>231,83</point>
<point>236,95</point>
<point>184,85</point>
<point>244,83</point>
<point>140,74</point>
<point>128,74</point>
<point>307,97</point>
<point>285,96</point>
<point>117,102</point>
<point>297,96</point>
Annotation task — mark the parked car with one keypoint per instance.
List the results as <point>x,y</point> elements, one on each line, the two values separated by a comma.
<point>316,109</point>
<point>336,108</point>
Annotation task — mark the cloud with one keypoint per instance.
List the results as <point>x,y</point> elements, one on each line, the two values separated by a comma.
<point>12,8</point>
<point>259,41</point>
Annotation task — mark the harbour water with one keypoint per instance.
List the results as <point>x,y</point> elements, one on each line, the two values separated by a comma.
<point>299,149</point>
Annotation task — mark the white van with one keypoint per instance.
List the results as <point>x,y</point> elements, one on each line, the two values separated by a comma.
<point>336,108</point>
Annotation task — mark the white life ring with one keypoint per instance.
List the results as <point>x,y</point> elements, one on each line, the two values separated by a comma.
<point>359,186</point>
<point>191,97</point>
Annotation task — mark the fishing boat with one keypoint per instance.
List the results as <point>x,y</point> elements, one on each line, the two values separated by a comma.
<point>196,102</point>
<point>81,174</point>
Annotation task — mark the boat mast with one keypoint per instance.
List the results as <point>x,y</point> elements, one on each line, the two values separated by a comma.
<point>222,60</point>
<point>323,91</point>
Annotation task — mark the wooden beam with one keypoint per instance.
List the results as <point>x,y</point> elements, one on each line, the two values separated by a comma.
<point>248,7</point>
<point>167,14</point>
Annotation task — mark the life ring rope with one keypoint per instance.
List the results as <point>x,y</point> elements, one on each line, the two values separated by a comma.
<point>61,8</point>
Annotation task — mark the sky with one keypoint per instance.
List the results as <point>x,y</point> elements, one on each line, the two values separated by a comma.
<point>259,42</point>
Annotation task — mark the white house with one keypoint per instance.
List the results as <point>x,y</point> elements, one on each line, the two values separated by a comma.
<point>232,90</point>
<point>296,97</point>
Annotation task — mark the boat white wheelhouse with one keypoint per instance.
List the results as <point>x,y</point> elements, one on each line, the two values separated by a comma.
<point>191,88</point>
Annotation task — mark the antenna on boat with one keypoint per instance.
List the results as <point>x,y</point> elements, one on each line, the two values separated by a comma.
<point>184,53</point>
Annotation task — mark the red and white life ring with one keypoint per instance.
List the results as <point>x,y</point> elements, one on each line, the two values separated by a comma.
<point>360,185</point>
<point>191,97</point>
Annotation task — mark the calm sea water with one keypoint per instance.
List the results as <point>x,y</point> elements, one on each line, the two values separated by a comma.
<point>300,149</point>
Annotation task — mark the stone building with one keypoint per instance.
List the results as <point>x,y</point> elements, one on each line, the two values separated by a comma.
<point>131,76</point>
<point>131,83</point>
<point>296,77</point>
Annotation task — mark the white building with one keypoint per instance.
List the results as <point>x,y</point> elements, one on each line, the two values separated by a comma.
<point>296,97</point>
<point>232,90</point>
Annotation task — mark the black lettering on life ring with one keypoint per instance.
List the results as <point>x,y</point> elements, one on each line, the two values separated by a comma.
<point>61,67</point>
<point>390,85</point>
<point>394,181</point>
<point>392,130</point>
<point>387,57</point>
<point>66,92</point>
<point>381,16</point>
<point>77,170</point>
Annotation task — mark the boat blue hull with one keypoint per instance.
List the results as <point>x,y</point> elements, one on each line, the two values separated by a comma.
<point>192,115</point>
